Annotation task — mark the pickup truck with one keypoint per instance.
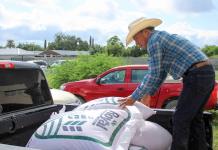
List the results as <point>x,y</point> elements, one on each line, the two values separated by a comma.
<point>26,102</point>
<point>122,81</point>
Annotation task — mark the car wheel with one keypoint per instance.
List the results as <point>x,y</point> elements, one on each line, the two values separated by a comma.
<point>171,104</point>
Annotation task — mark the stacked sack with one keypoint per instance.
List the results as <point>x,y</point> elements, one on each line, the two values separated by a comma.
<point>99,125</point>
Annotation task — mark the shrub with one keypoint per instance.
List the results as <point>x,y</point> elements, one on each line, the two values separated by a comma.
<point>83,67</point>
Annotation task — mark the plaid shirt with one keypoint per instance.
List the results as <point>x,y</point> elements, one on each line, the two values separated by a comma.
<point>168,53</point>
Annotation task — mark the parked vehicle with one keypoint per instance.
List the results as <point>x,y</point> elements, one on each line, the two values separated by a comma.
<point>43,64</point>
<point>64,97</point>
<point>26,102</point>
<point>122,81</point>
<point>58,62</point>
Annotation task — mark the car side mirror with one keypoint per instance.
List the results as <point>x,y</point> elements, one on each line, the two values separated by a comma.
<point>98,79</point>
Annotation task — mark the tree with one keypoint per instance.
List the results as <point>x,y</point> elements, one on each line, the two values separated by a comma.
<point>45,45</point>
<point>82,45</point>
<point>10,44</point>
<point>135,51</point>
<point>210,50</point>
<point>30,46</point>
<point>91,41</point>
<point>68,42</point>
<point>114,46</point>
<point>97,49</point>
<point>51,46</point>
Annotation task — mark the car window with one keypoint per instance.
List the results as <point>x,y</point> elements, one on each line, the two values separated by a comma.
<point>19,92</point>
<point>137,75</point>
<point>113,77</point>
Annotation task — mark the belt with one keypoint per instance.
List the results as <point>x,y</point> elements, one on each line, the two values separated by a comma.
<point>197,65</point>
<point>200,64</point>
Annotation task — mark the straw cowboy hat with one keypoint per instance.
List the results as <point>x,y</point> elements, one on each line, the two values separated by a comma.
<point>139,25</point>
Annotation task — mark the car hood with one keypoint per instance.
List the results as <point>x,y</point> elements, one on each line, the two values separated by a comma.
<point>63,97</point>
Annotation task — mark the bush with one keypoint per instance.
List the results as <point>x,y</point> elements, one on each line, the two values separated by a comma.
<point>83,67</point>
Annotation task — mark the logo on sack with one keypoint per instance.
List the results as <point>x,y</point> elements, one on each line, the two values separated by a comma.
<point>73,126</point>
<point>106,119</point>
<point>109,100</point>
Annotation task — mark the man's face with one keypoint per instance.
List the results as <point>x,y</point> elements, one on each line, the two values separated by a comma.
<point>141,38</point>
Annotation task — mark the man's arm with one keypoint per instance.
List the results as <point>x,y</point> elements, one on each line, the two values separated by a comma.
<point>155,76</point>
<point>152,80</point>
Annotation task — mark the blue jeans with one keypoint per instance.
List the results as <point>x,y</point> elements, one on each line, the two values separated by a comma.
<point>188,123</point>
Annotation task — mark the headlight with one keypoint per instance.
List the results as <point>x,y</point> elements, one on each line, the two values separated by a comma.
<point>62,87</point>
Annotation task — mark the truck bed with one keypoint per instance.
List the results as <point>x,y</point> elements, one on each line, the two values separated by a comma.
<point>27,124</point>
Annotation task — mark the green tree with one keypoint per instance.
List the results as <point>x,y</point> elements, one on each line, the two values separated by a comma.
<point>91,41</point>
<point>51,46</point>
<point>30,46</point>
<point>114,46</point>
<point>97,49</point>
<point>210,50</point>
<point>82,45</point>
<point>10,44</point>
<point>68,42</point>
<point>45,45</point>
<point>135,51</point>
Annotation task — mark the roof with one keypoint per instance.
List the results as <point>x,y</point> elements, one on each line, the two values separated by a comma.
<point>16,51</point>
<point>132,66</point>
<point>65,52</point>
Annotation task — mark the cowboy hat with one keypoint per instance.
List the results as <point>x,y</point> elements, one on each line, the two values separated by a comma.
<point>139,25</point>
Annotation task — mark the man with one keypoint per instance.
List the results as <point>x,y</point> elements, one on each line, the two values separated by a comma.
<point>170,53</point>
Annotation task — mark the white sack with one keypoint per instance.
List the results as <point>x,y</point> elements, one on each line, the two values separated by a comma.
<point>102,129</point>
<point>112,103</point>
<point>152,136</point>
<point>133,147</point>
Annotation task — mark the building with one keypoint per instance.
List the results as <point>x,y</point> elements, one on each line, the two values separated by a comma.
<point>17,54</point>
<point>63,53</point>
<point>21,54</point>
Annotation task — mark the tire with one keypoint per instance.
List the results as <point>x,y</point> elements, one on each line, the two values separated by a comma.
<point>171,104</point>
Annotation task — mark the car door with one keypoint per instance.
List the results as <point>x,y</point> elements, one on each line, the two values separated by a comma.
<point>111,84</point>
<point>136,77</point>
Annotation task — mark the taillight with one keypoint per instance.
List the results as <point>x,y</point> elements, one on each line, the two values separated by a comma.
<point>6,65</point>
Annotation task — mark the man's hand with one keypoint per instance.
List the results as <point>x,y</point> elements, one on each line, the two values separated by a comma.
<point>146,100</point>
<point>127,101</point>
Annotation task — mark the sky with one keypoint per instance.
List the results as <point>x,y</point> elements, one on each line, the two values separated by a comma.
<point>34,21</point>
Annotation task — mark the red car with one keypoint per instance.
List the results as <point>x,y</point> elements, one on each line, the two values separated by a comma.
<point>122,81</point>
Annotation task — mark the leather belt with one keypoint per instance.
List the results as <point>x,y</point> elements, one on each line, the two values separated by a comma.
<point>200,64</point>
<point>197,65</point>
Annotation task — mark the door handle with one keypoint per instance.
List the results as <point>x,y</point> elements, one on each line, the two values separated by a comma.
<point>120,89</point>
